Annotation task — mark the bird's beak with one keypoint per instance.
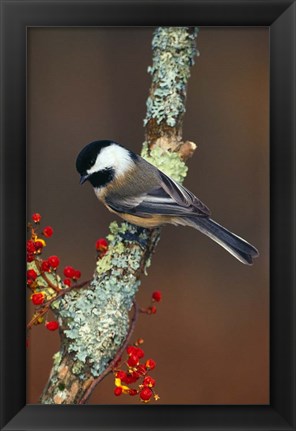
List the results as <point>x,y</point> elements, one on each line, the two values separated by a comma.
<point>83,178</point>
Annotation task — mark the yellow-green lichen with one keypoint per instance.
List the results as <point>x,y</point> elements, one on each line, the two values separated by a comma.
<point>116,228</point>
<point>116,248</point>
<point>167,161</point>
<point>104,264</point>
<point>78,367</point>
<point>57,357</point>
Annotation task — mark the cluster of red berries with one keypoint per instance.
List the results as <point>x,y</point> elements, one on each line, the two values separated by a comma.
<point>136,372</point>
<point>71,274</point>
<point>36,244</point>
<point>43,267</point>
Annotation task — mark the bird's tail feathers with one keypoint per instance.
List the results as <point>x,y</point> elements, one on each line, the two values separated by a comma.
<point>235,245</point>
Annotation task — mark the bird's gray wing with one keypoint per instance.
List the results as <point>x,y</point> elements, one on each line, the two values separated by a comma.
<point>169,198</point>
<point>183,196</point>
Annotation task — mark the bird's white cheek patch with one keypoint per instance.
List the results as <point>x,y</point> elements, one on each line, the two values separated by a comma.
<point>115,157</point>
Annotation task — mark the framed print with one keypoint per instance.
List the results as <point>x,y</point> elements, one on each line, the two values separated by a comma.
<point>75,58</point>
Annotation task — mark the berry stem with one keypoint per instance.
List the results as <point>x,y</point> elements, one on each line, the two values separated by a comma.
<point>45,278</point>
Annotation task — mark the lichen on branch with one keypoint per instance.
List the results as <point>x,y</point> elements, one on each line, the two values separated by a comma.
<point>174,52</point>
<point>94,321</point>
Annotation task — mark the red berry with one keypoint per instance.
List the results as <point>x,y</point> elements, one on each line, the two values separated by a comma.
<point>121,375</point>
<point>137,351</point>
<point>146,394</point>
<point>36,217</point>
<point>133,360</point>
<point>157,296</point>
<point>31,274</point>
<point>140,352</point>
<point>30,246</point>
<point>38,245</point>
<point>69,271</point>
<point>129,379</point>
<point>45,266</point>
<point>150,364</point>
<point>149,381</point>
<point>102,245</point>
<point>152,309</point>
<point>47,231</point>
<point>30,257</point>
<point>141,369</point>
<point>67,282</point>
<point>52,326</point>
<point>133,392</point>
<point>131,350</point>
<point>37,298</point>
<point>135,376</point>
<point>53,261</point>
<point>77,274</point>
<point>117,391</point>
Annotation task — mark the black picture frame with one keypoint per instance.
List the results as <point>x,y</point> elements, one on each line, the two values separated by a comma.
<point>280,17</point>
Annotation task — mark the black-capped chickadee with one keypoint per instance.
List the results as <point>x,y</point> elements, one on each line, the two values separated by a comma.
<point>141,194</point>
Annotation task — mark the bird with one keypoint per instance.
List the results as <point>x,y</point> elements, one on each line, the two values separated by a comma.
<point>143,195</point>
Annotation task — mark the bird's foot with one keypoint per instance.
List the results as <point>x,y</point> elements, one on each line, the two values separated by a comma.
<point>135,237</point>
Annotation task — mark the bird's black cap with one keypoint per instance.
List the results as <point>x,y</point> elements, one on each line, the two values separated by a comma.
<point>87,156</point>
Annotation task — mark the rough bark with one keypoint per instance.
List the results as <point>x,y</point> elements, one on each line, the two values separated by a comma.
<point>94,321</point>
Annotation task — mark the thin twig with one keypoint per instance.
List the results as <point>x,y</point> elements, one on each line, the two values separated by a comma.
<point>45,278</point>
<point>112,364</point>
<point>36,317</point>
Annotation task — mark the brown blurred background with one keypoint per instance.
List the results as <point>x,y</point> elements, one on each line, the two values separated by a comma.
<point>210,336</point>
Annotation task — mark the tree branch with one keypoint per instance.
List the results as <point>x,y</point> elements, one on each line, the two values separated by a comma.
<point>94,322</point>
